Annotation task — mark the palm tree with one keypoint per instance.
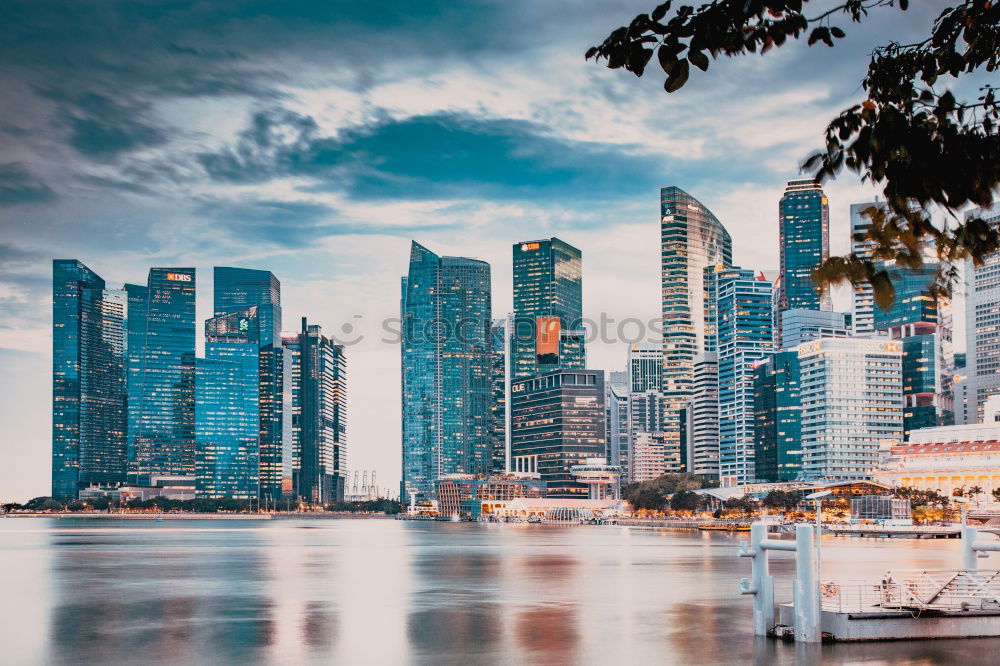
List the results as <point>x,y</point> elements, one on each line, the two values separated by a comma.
<point>975,492</point>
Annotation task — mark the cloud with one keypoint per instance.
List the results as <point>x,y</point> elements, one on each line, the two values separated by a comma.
<point>435,156</point>
<point>20,186</point>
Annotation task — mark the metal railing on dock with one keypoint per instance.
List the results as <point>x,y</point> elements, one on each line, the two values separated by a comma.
<point>915,590</point>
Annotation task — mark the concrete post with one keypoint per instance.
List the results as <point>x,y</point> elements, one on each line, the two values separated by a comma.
<point>807,610</point>
<point>761,582</point>
<point>969,554</point>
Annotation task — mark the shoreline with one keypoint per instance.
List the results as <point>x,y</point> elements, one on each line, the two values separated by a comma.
<point>201,516</point>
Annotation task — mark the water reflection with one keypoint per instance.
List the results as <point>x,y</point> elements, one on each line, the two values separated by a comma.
<point>375,592</point>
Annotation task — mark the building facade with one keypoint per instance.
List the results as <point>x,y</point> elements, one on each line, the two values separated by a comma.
<point>804,232</point>
<point>319,415</point>
<point>653,454</point>
<point>798,326</point>
<point>852,404</point>
<point>691,239</point>
<point>89,389</point>
<point>548,307</point>
<point>236,289</point>
<point>777,406</point>
<point>703,418</point>
<point>745,337</point>
<point>616,413</point>
<point>500,385</point>
<point>863,313</point>
<point>982,323</point>
<point>446,370</point>
<point>162,440</point>
<point>557,421</point>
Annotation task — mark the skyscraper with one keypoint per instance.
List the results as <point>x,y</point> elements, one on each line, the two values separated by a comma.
<point>703,417</point>
<point>89,391</point>
<point>446,369</point>
<point>161,377</point>
<point>557,421</point>
<point>778,418</point>
<point>319,415</point>
<point>798,326</point>
<point>548,307</point>
<point>691,238</point>
<point>227,407</point>
<point>500,380</point>
<point>236,290</point>
<point>645,399</point>
<point>982,341</point>
<point>852,398</point>
<point>863,316</point>
<point>745,337</point>
<point>804,230</point>
<point>616,410</point>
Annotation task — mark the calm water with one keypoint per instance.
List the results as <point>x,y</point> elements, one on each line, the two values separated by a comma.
<point>394,592</point>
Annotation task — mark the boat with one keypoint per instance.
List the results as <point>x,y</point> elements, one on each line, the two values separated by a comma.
<point>724,528</point>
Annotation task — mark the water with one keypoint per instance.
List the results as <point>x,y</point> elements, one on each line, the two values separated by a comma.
<point>385,591</point>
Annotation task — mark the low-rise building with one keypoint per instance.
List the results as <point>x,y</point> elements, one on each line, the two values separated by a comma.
<point>464,494</point>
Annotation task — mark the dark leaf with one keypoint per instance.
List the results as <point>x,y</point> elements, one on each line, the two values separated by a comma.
<point>818,34</point>
<point>837,32</point>
<point>699,60</point>
<point>660,11</point>
<point>677,78</point>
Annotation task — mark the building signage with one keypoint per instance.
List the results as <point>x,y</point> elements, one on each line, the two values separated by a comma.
<point>179,277</point>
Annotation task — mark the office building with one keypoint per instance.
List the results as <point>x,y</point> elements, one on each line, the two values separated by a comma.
<point>500,386</point>
<point>446,370</point>
<point>653,454</point>
<point>691,239</point>
<point>703,418</point>
<point>777,407</point>
<point>745,337</point>
<point>804,231</point>
<point>89,391</point>
<point>162,377</point>
<point>548,307</point>
<point>982,316</point>
<point>852,403</point>
<point>238,290</point>
<point>798,326</point>
<point>921,322</point>
<point>616,412</point>
<point>319,415</point>
<point>863,314</point>
<point>645,398</point>
<point>557,421</point>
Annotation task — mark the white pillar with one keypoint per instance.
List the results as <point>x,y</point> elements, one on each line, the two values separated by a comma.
<point>969,554</point>
<point>807,610</point>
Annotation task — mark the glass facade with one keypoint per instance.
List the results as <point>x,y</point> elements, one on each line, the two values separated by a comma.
<point>804,231</point>
<point>703,417</point>
<point>777,408</point>
<point>691,239</point>
<point>982,323</point>
<point>236,290</point>
<point>500,370</point>
<point>319,415</point>
<point>162,378</point>
<point>863,315</point>
<point>743,325</point>
<point>89,393</point>
<point>548,307</point>
<point>616,414</point>
<point>798,326</point>
<point>446,370</point>
<point>557,421</point>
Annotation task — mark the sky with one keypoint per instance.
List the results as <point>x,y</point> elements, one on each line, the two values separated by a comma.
<point>317,139</point>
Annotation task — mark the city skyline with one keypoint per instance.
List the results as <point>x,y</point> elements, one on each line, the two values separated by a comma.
<point>338,255</point>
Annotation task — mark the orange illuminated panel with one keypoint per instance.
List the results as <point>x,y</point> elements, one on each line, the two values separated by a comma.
<point>547,340</point>
<point>179,277</point>
<point>529,246</point>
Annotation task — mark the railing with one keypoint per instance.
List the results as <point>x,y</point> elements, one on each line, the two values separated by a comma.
<point>917,589</point>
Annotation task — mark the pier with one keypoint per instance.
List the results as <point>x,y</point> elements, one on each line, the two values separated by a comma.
<point>906,604</point>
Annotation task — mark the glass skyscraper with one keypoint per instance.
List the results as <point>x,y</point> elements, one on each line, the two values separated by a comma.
<point>778,419</point>
<point>319,415</point>
<point>691,239</point>
<point>500,379</point>
<point>745,338</point>
<point>548,307</point>
<point>227,386</point>
<point>236,290</point>
<point>447,390</point>
<point>863,315</point>
<point>804,231</point>
<point>89,392</point>
<point>162,377</point>
<point>982,323</point>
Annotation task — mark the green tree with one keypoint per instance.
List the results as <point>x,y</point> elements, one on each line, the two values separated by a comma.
<point>910,135</point>
<point>686,500</point>
<point>996,494</point>
<point>783,500</point>
<point>11,506</point>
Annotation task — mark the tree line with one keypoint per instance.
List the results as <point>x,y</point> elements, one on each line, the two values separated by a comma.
<point>201,505</point>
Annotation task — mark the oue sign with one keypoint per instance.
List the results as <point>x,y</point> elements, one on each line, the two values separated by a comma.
<point>179,277</point>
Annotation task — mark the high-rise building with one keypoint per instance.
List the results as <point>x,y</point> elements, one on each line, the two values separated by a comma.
<point>852,403</point>
<point>804,231</point>
<point>745,337</point>
<point>982,334</point>
<point>319,415</point>
<point>500,382</point>
<point>238,290</point>
<point>227,407</point>
<point>645,398</point>
<point>89,391</point>
<point>703,417</point>
<point>446,370</point>
<point>691,239</point>
<point>162,377</point>
<point>922,323</point>
<point>548,307</point>
<point>653,455</point>
<point>557,421</point>
<point>863,315</point>
<point>616,411</point>
<point>777,407</point>
<point>798,326</point>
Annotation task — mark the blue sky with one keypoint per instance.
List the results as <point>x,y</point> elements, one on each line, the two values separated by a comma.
<point>317,139</point>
